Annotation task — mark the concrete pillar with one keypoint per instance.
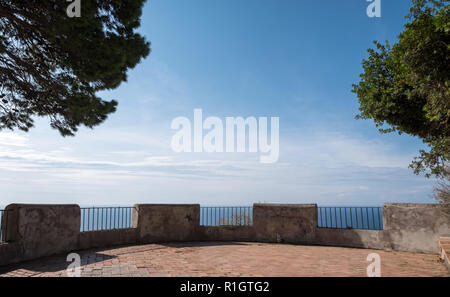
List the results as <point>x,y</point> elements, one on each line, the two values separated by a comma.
<point>415,227</point>
<point>290,223</point>
<point>43,230</point>
<point>166,222</point>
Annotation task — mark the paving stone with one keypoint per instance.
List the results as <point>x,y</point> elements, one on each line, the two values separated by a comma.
<point>237,259</point>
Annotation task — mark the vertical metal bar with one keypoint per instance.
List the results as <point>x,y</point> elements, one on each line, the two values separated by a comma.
<point>380,218</point>
<point>346,219</point>
<point>373,220</point>
<point>240,216</point>
<point>102,226</point>
<point>357,222</point>
<point>233,215</point>
<point>245,216</point>
<point>5,236</point>
<point>324,225</point>
<point>116,213</point>
<point>351,217</point>
<point>98,217</point>
<point>335,218</point>
<point>89,219</point>
<point>367,217</point>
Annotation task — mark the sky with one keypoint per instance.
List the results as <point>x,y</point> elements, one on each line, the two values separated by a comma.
<point>291,59</point>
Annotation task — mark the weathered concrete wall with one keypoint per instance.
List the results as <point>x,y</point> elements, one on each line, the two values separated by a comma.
<point>43,229</point>
<point>372,239</point>
<point>165,222</point>
<point>290,223</point>
<point>11,253</point>
<point>39,230</point>
<point>226,233</point>
<point>415,227</point>
<point>105,238</point>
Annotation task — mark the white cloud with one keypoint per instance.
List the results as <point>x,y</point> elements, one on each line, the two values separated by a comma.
<point>327,169</point>
<point>13,139</point>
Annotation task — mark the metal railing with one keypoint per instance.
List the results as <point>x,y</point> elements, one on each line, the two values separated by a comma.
<point>3,224</point>
<point>106,218</point>
<point>226,216</point>
<point>367,218</point>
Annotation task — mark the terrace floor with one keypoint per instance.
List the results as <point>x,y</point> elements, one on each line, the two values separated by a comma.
<point>232,259</point>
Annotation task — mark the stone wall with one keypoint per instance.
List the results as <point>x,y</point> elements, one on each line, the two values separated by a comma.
<point>105,238</point>
<point>415,227</point>
<point>43,229</point>
<point>289,223</point>
<point>226,233</point>
<point>166,222</point>
<point>370,239</point>
<point>39,230</point>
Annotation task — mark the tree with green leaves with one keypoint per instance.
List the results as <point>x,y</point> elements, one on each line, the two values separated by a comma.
<point>52,65</point>
<point>405,87</point>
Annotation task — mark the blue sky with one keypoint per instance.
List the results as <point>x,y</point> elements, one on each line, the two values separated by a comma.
<point>295,60</point>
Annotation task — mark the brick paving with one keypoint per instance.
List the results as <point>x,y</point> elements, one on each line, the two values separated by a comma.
<point>231,259</point>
